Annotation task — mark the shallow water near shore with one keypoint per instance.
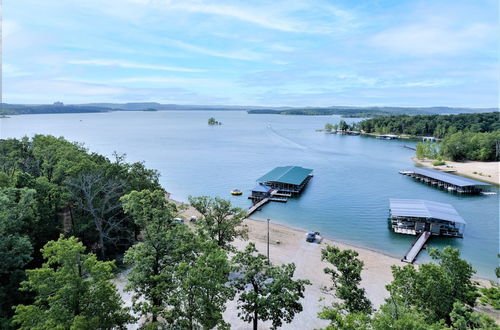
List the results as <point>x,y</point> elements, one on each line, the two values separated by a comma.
<point>347,200</point>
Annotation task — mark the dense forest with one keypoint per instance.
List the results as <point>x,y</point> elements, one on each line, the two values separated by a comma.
<point>432,125</point>
<point>49,186</point>
<point>69,217</point>
<point>464,136</point>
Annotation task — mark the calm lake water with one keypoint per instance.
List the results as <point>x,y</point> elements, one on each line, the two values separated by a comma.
<point>347,200</point>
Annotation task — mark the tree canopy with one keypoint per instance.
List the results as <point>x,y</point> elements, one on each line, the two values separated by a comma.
<point>267,292</point>
<point>220,221</point>
<point>72,290</point>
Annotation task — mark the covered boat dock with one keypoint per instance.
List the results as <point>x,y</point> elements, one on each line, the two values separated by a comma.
<point>287,179</point>
<point>450,182</point>
<point>414,216</point>
<point>424,218</point>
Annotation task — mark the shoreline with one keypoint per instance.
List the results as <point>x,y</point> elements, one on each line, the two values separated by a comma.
<point>482,171</point>
<point>287,244</point>
<point>299,231</point>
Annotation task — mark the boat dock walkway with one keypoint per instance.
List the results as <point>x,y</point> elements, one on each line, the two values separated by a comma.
<point>274,196</point>
<point>416,247</point>
<point>256,206</point>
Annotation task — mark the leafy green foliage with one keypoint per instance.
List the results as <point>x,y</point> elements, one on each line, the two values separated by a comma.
<point>17,213</point>
<point>397,316</point>
<point>153,259</point>
<point>202,289</point>
<point>179,279</point>
<point>346,277</point>
<point>35,175</point>
<point>266,292</point>
<point>472,146</point>
<point>212,121</point>
<point>435,287</point>
<point>432,125</point>
<point>220,221</point>
<point>463,317</point>
<point>427,149</point>
<point>73,290</point>
<point>352,312</point>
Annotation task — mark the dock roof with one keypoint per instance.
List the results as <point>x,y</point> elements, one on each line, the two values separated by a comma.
<point>449,178</point>
<point>262,188</point>
<point>286,174</point>
<point>420,208</point>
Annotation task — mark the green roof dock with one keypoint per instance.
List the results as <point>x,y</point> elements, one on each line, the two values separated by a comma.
<point>279,184</point>
<point>287,179</point>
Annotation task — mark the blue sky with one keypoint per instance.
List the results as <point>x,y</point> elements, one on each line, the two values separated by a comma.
<point>291,52</point>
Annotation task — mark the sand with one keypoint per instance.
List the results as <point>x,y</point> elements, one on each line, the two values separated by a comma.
<point>288,245</point>
<point>292,247</point>
<point>483,171</point>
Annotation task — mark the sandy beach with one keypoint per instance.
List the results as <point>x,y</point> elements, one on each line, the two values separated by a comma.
<point>288,245</point>
<point>483,171</point>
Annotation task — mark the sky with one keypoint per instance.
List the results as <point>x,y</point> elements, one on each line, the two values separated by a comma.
<point>270,53</point>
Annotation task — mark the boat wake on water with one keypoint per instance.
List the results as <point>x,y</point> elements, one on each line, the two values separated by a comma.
<point>280,137</point>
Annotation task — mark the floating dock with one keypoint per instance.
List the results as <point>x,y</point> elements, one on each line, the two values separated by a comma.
<point>450,182</point>
<point>278,185</point>
<point>416,247</point>
<point>424,218</point>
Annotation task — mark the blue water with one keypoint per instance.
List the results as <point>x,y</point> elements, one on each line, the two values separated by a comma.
<point>347,200</point>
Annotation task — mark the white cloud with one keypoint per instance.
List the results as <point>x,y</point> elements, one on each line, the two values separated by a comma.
<point>286,16</point>
<point>246,55</point>
<point>432,39</point>
<point>10,70</point>
<point>131,65</point>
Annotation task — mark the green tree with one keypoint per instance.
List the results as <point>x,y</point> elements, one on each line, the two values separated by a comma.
<point>153,259</point>
<point>346,277</point>
<point>343,126</point>
<point>220,221</point>
<point>463,318</point>
<point>212,121</point>
<point>202,289</point>
<point>397,316</point>
<point>266,292</point>
<point>73,290</point>
<point>17,211</point>
<point>329,127</point>
<point>435,287</point>
<point>179,279</point>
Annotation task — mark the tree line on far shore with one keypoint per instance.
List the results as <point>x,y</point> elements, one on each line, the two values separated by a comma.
<point>463,136</point>
<point>68,216</point>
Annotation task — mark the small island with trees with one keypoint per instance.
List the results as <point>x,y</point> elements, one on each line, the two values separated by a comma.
<point>213,122</point>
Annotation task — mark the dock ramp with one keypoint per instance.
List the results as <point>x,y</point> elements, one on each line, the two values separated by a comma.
<point>256,206</point>
<point>416,247</point>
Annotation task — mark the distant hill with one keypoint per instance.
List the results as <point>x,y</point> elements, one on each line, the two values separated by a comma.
<point>365,112</point>
<point>20,109</point>
<point>346,111</point>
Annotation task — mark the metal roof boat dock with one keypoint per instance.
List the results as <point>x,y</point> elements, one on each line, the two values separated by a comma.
<point>278,185</point>
<point>424,218</point>
<point>446,181</point>
<point>287,179</point>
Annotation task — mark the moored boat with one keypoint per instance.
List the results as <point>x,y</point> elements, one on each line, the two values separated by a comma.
<point>236,192</point>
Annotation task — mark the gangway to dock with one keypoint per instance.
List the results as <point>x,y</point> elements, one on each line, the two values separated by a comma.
<point>416,247</point>
<point>256,206</point>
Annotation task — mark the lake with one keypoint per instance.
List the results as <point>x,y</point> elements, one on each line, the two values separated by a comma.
<point>347,200</point>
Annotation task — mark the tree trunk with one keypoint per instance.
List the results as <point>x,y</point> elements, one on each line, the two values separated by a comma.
<point>101,243</point>
<point>255,315</point>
